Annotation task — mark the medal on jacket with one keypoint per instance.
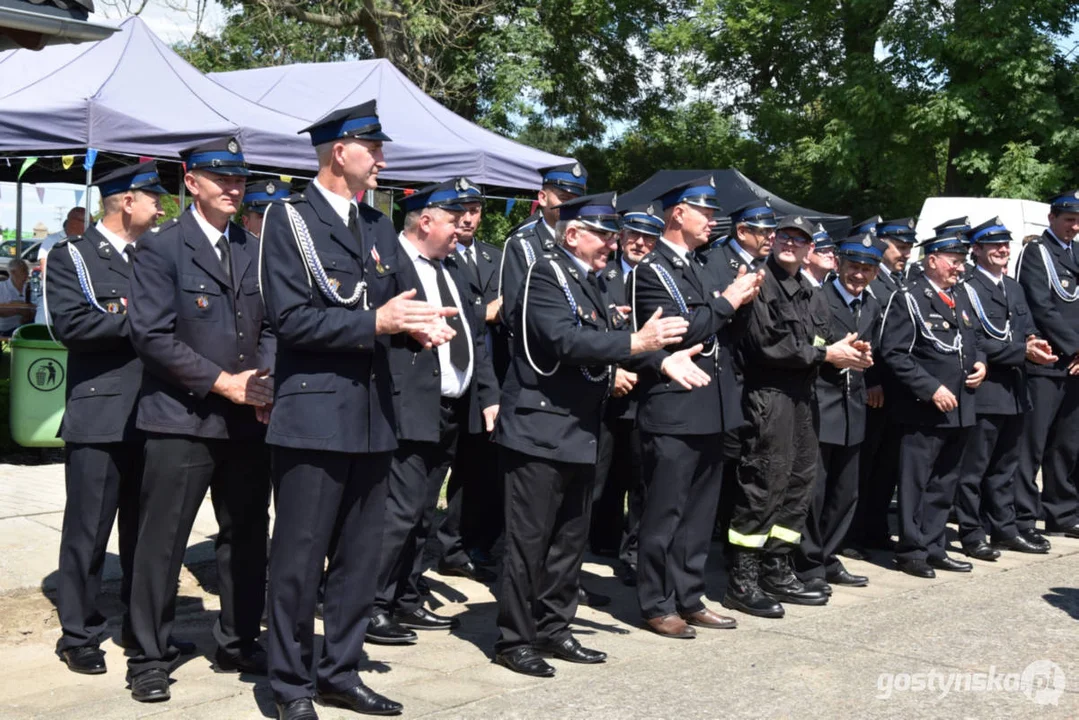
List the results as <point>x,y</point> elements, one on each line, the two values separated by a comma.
<point>966,318</point>
<point>113,307</point>
<point>378,261</point>
<point>202,302</point>
<point>334,283</point>
<point>485,255</point>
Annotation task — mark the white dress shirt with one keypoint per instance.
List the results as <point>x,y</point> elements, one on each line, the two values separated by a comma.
<point>339,204</point>
<point>454,381</point>
<point>212,233</point>
<point>117,242</point>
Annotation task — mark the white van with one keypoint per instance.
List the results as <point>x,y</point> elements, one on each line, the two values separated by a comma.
<point>1021,217</point>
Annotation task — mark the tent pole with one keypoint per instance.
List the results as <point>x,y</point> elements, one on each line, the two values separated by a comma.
<point>86,198</point>
<point>18,219</point>
<point>183,194</point>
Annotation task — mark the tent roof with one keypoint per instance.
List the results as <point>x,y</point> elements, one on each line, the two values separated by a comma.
<point>734,190</point>
<point>430,142</point>
<point>130,93</point>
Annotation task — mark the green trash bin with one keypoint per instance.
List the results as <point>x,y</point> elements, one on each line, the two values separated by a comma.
<point>38,382</point>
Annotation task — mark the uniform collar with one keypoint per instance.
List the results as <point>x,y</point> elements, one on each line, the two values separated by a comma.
<point>1050,233</point>
<point>212,233</point>
<point>847,297</point>
<point>998,281</point>
<point>626,267</point>
<point>679,251</point>
<point>117,242</point>
<point>810,279</point>
<point>412,251</point>
<point>340,205</point>
<point>742,252</point>
<point>936,287</point>
<point>581,265</point>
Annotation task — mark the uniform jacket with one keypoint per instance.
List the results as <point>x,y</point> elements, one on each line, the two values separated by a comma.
<point>539,239</point>
<point>665,406</point>
<point>189,323</point>
<point>1004,390</point>
<point>481,286</point>
<point>333,389</point>
<point>417,376</point>
<point>103,371</point>
<point>613,282</point>
<point>557,416</point>
<point>884,285</point>
<point>1057,321</point>
<point>918,367</point>
<point>841,394</point>
<point>789,326</point>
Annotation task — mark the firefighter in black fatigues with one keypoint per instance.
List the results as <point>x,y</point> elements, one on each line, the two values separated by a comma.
<point>785,343</point>
<point>930,343</point>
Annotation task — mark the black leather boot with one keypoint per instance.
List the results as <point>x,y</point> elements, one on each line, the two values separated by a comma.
<point>778,580</point>
<point>743,592</point>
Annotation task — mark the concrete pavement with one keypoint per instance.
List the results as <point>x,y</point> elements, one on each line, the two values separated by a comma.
<point>1002,641</point>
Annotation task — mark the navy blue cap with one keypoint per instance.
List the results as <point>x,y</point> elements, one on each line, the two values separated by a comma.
<point>468,191</point>
<point>359,121</point>
<point>223,156</point>
<point>259,194</point>
<point>699,192</point>
<point>756,213</point>
<point>443,195</point>
<point>799,223</point>
<point>821,238</point>
<point>870,225</point>
<point>990,232</point>
<point>132,177</point>
<point>865,248</point>
<point>571,177</point>
<point>952,240</point>
<point>1065,202</point>
<point>643,219</point>
<point>956,225</point>
<point>596,211</point>
<point>901,230</point>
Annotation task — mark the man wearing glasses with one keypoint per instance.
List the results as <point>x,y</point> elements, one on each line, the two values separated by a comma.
<point>785,343</point>
<point>820,263</point>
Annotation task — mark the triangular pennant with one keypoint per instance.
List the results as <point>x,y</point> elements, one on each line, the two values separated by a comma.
<point>67,161</point>
<point>40,194</point>
<point>26,165</point>
<point>91,158</point>
<point>509,206</point>
<point>286,178</point>
<point>78,197</point>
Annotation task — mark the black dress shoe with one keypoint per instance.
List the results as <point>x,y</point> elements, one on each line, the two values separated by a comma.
<point>1021,544</point>
<point>482,558</point>
<point>422,586</point>
<point>525,660</point>
<point>384,630</point>
<point>299,709</point>
<point>571,651</point>
<point>1071,531</point>
<point>842,577</point>
<point>1036,539</point>
<point>361,699</point>
<point>87,660</point>
<point>627,573</point>
<point>424,619</point>
<point>949,564</point>
<point>467,570</point>
<point>251,660</point>
<point>591,599</point>
<point>981,551</point>
<point>917,568</point>
<point>150,686</point>
<point>817,585</point>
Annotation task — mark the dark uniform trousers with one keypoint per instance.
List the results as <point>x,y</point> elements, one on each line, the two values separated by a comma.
<point>618,497</point>
<point>985,499</point>
<point>332,437</point>
<point>483,498</point>
<point>878,477</point>
<point>547,506</point>
<point>190,320</point>
<point>831,511</point>
<point>932,443</point>
<point>103,450</point>
<point>682,457</point>
<point>1051,435</point>
<point>416,476</point>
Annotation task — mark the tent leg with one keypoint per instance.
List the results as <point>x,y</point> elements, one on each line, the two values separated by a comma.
<point>18,219</point>
<point>89,217</point>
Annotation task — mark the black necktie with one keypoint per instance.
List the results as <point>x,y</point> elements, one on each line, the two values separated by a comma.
<point>856,308</point>
<point>459,343</point>
<point>466,260</point>
<point>129,252</point>
<point>354,225</point>
<point>226,256</point>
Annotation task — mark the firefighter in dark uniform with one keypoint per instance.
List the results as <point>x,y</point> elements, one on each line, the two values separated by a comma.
<point>617,507</point>
<point>682,462</point>
<point>196,320</point>
<point>841,405</point>
<point>536,237</point>
<point>785,342</point>
<point>931,344</point>
<point>329,276</point>
<point>985,499</point>
<point>1049,273</point>
<point>879,456</point>
<point>472,522</point>
<point>431,404</point>
<point>257,197</point>
<point>820,265</point>
<point>548,423</point>
<point>960,226</point>
<point>86,289</point>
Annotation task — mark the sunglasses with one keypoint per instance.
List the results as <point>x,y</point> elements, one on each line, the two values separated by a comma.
<point>798,240</point>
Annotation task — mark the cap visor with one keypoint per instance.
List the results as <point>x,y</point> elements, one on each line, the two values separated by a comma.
<point>227,170</point>
<point>156,189</point>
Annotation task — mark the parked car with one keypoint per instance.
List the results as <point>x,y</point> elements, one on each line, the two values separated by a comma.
<point>7,252</point>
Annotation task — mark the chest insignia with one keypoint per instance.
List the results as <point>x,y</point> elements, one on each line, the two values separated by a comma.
<point>202,302</point>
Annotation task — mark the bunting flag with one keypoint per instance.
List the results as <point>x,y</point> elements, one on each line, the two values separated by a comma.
<point>409,191</point>
<point>535,204</point>
<point>40,194</point>
<point>144,158</point>
<point>286,178</point>
<point>78,197</point>
<point>68,161</point>
<point>26,166</point>
<point>509,206</point>
<point>91,158</point>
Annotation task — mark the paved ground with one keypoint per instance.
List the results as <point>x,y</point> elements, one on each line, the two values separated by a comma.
<point>899,648</point>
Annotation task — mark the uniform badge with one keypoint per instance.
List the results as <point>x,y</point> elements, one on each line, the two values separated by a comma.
<point>818,341</point>
<point>334,283</point>
<point>485,255</point>
<point>945,325</point>
<point>677,263</point>
<point>233,147</point>
<point>124,301</point>
<point>577,171</point>
<point>270,188</point>
<point>867,242</point>
<point>712,180</point>
<point>580,311</point>
<point>113,307</point>
<point>612,274</point>
<point>928,293</point>
<point>651,209</point>
<point>734,264</point>
<point>1064,282</point>
<point>966,319</point>
<point>202,302</point>
<point>548,244</point>
<point>378,261</point>
<point>594,316</point>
